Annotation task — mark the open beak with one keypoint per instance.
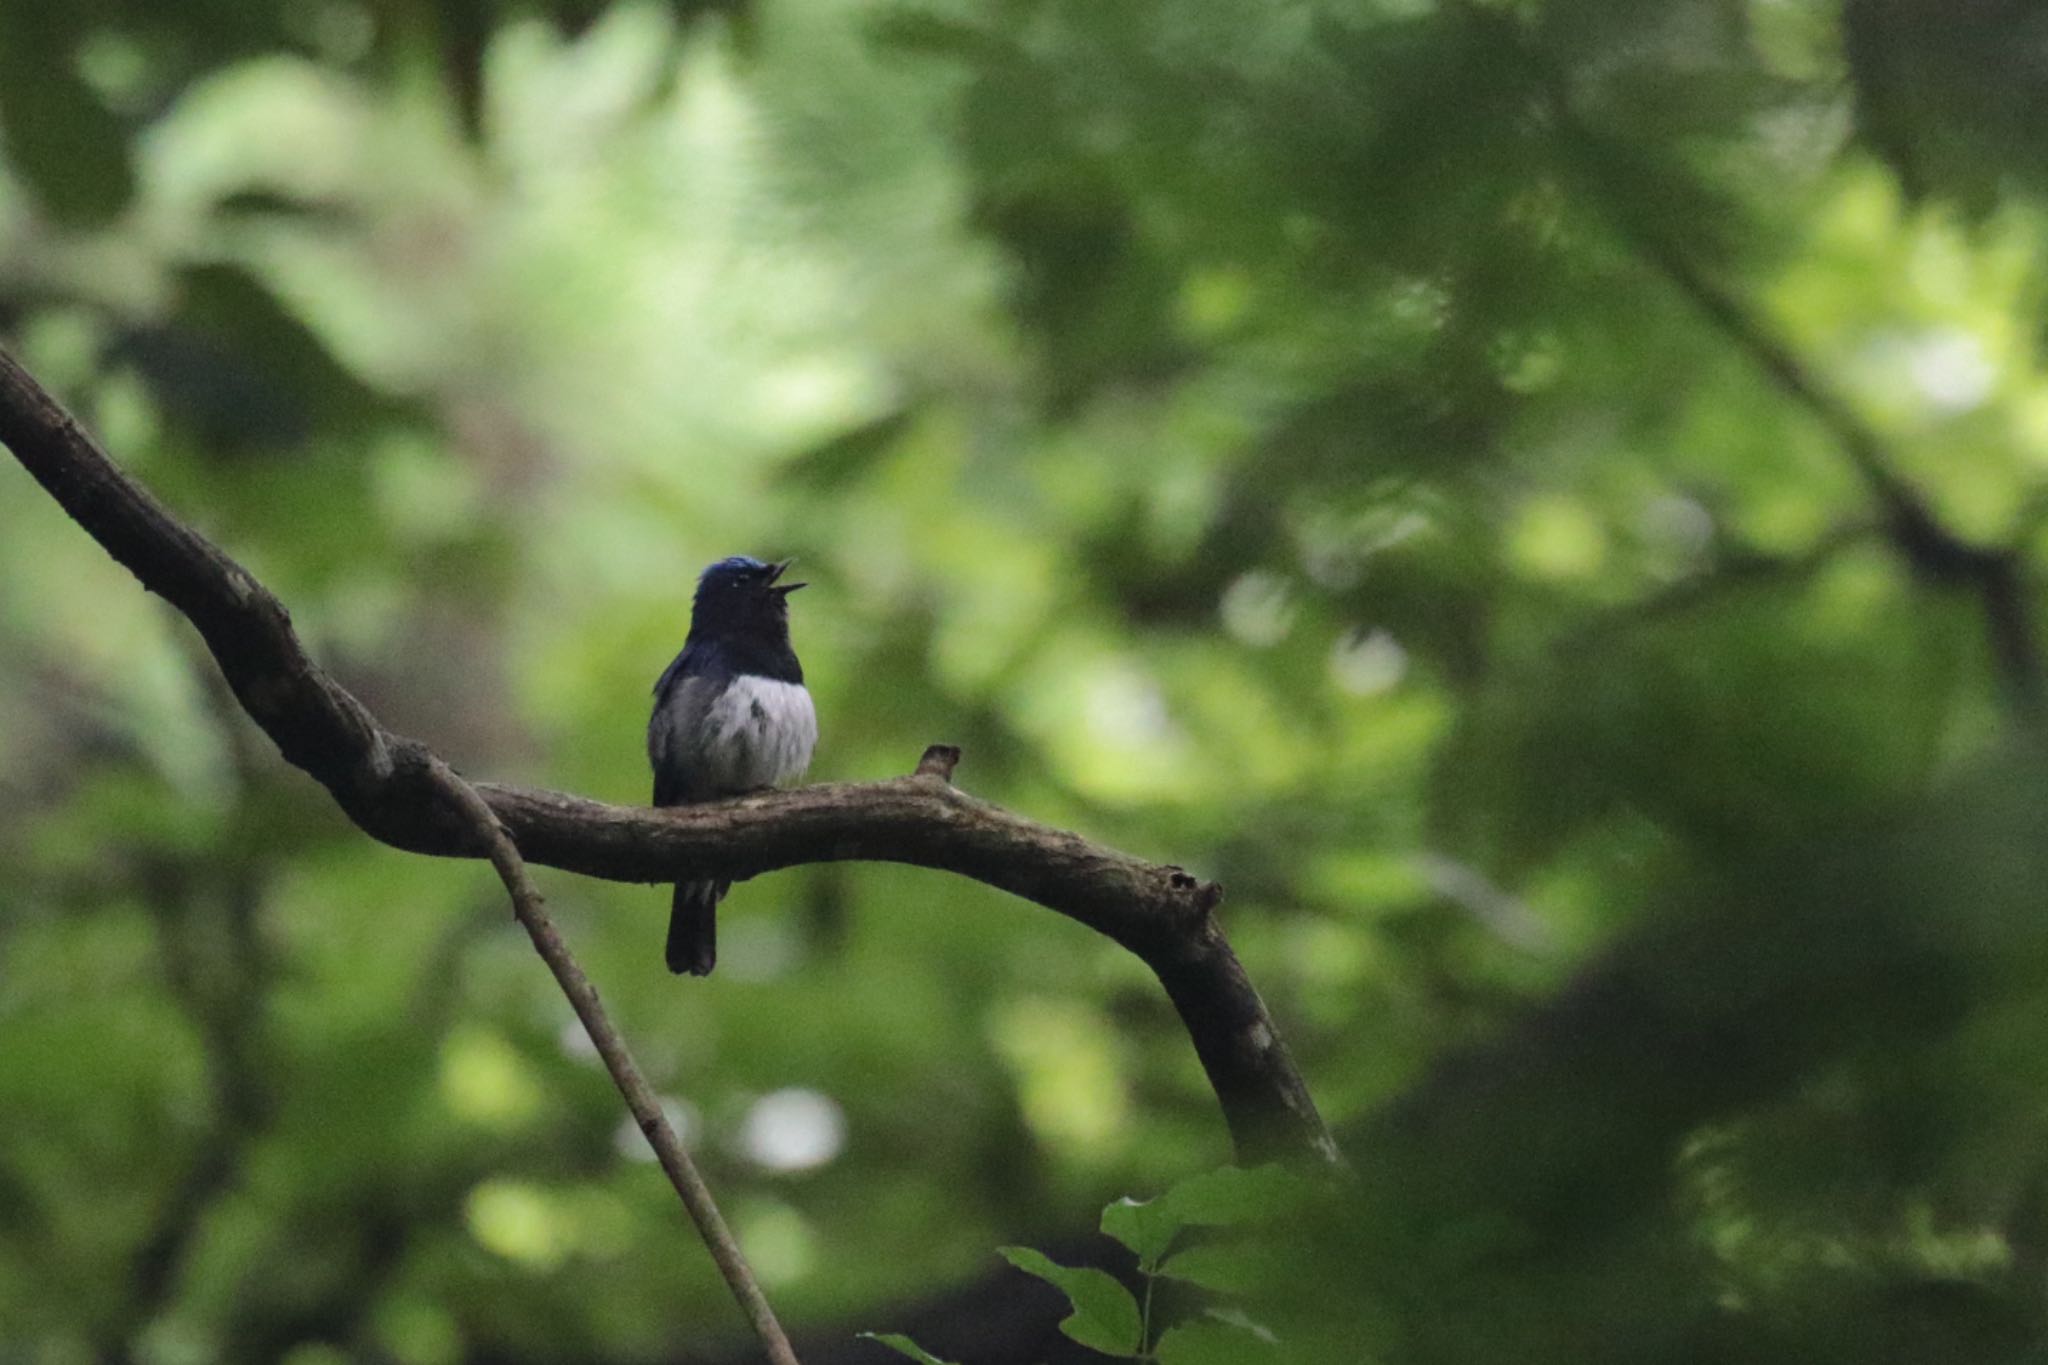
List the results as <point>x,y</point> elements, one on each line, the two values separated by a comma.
<point>776,571</point>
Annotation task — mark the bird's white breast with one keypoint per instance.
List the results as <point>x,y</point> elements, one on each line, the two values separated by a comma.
<point>758,733</point>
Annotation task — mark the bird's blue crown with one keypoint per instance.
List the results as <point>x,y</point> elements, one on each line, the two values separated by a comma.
<point>735,571</point>
<point>733,566</point>
<point>742,594</point>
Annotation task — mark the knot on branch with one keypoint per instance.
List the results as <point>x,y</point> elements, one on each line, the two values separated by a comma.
<point>1203,897</point>
<point>938,761</point>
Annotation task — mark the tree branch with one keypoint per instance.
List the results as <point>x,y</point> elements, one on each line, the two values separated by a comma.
<point>1737,569</point>
<point>625,1073</point>
<point>389,785</point>
<point>1934,552</point>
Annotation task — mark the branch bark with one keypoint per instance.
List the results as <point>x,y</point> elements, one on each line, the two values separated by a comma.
<point>389,785</point>
<point>639,1096</point>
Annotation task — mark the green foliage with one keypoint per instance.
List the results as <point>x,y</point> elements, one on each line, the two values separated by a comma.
<point>1218,1340</point>
<point>1232,1196</point>
<point>1105,1317</point>
<point>1394,458</point>
<point>1146,1227</point>
<point>903,1345</point>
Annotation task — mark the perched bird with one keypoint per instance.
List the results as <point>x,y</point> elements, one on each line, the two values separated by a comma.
<point>730,716</point>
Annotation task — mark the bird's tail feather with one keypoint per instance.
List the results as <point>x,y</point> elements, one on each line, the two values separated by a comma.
<point>693,927</point>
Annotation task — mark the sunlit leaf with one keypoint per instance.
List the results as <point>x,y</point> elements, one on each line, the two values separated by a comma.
<point>1237,1195</point>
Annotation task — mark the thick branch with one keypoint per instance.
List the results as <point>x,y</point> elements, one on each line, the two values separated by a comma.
<point>387,784</point>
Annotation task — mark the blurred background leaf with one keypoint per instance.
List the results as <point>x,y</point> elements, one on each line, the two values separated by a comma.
<point>1297,442</point>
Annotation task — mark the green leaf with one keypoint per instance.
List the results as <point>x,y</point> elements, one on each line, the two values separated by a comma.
<point>1146,1227</point>
<point>903,1345</point>
<point>1226,1269</point>
<point>237,365</point>
<point>1105,1316</point>
<point>1227,1197</point>
<point>1235,1317</point>
<point>59,136</point>
<point>1236,1195</point>
<point>1222,1338</point>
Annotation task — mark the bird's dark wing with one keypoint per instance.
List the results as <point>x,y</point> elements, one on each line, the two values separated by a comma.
<point>669,787</point>
<point>675,731</point>
<point>679,666</point>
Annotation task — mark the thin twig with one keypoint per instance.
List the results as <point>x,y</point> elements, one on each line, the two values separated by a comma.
<point>625,1073</point>
<point>1737,569</point>
<point>1934,552</point>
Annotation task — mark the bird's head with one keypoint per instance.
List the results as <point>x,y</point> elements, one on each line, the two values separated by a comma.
<point>741,594</point>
